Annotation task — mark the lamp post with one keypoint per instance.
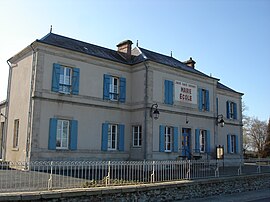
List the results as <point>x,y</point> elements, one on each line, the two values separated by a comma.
<point>220,120</point>
<point>154,112</point>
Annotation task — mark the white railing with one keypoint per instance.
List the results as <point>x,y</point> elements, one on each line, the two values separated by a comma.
<point>51,175</point>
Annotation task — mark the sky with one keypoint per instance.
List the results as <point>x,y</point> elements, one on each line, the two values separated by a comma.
<point>228,39</point>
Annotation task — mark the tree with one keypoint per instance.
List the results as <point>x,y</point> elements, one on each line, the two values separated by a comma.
<point>266,152</point>
<point>255,132</point>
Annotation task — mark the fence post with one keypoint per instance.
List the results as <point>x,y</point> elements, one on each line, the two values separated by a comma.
<point>189,169</point>
<point>259,166</point>
<point>50,180</point>
<point>153,173</point>
<point>240,168</point>
<point>107,178</point>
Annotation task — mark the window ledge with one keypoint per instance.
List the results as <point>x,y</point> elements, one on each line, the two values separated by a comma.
<point>15,149</point>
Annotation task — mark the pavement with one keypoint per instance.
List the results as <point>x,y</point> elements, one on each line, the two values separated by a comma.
<point>249,196</point>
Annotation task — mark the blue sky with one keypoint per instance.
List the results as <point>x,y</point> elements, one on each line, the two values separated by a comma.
<point>228,39</point>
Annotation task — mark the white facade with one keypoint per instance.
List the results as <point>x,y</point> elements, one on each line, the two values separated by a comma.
<point>77,104</point>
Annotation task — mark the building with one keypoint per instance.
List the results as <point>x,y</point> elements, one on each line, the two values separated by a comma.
<point>71,100</point>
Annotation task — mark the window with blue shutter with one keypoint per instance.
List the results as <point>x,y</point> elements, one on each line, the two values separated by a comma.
<point>234,110</point>
<point>236,145</point>
<point>231,110</point>
<point>161,138</point>
<point>122,97</point>
<point>207,103</point>
<point>175,139</point>
<point>73,135</point>
<point>228,143</point>
<point>168,92</point>
<point>106,87</point>
<point>204,102</point>
<point>65,79</point>
<point>121,145</point>
<point>52,134</point>
<point>104,137</point>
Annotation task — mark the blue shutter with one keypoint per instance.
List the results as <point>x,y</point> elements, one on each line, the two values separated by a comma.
<point>207,100</point>
<point>168,92</point>
<point>122,97</point>
<point>200,99</point>
<point>75,81</point>
<point>234,110</point>
<point>56,77</point>
<point>161,138</point>
<point>175,139</point>
<point>197,140</point>
<point>121,141</point>
<point>104,139</point>
<point>106,87</point>
<point>208,141</point>
<point>236,144</point>
<point>228,109</point>
<point>52,134</point>
<point>73,135</point>
<point>228,143</point>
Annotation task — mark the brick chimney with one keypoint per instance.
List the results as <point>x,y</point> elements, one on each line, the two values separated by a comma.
<point>125,47</point>
<point>191,63</point>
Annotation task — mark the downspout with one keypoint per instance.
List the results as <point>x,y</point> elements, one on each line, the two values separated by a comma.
<point>145,110</point>
<point>29,122</point>
<point>7,110</point>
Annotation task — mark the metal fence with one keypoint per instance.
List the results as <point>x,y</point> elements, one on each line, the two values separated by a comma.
<point>52,175</point>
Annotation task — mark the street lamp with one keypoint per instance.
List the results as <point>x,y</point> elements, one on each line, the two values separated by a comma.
<point>154,113</point>
<point>220,120</point>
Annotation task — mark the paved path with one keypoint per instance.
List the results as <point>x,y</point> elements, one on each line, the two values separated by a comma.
<point>250,196</point>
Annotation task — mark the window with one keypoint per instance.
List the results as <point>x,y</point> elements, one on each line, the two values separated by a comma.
<point>63,134</point>
<point>16,134</point>
<point>202,141</point>
<point>112,137</point>
<point>114,88</point>
<point>168,139</point>
<point>231,110</point>
<point>203,99</point>
<point>137,136</point>
<point>65,79</point>
<point>232,143</point>
<point>168,92</point>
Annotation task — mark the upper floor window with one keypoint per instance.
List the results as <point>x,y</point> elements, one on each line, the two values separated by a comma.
<point>112,137</point>
<point>202,141</point>
<point>65,79</point>
<point>63,134</point>
<point>16,133</point>
<point>231,110</point>
<point>114,88</point>
<point>232,144</point>
<point>168,92</point>
<point>168,139</point>
<point>137,136</point>
<point>203,99</point>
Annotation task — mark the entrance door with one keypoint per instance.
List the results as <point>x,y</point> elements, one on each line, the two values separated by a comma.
<point>186,134</point>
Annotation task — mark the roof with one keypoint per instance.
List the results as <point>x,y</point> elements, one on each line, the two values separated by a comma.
<point>113,55</point>
<point>223,87</point>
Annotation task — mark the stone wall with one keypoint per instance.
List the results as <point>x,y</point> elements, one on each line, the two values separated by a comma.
<point>168,191</point>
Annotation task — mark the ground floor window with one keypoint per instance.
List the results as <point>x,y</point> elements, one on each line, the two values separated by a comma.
<point>137,135</point>
<point>232,143</point>
<point>62,137</point>
<point>168,139</point>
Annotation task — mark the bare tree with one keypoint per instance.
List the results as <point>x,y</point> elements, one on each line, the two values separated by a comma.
<point>255,134</point>
<point>266,152</point>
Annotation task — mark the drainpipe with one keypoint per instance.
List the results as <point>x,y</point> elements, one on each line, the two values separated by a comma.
<point>29,122</point>
<point>145,110</point>
<point>7,111</point>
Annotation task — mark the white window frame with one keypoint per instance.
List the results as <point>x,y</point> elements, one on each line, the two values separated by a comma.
<point>168,139</point>
<point>16,133</point>
<point>114,88</point>
<point>61,124</point>
<point>203,141</point>
<point>204,99</point>
<point>231,110</point>
<point>137,135</point>
<point>65,80</point>
<point>113,136</point>
<point>233,144</point>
